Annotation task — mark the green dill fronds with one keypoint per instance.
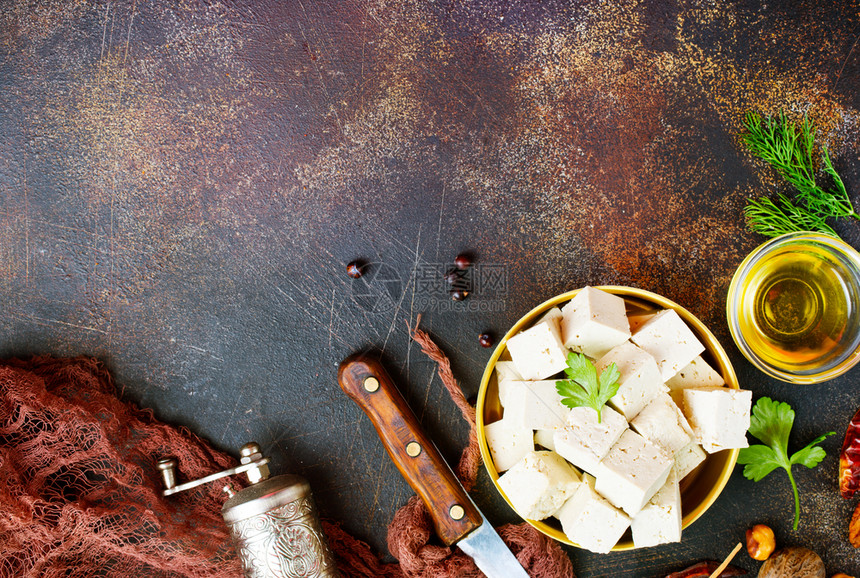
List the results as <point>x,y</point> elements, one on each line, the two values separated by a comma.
<point>777,141</point>
<point>831,203</point>
<point>791,150</point>
<point>774,219</point>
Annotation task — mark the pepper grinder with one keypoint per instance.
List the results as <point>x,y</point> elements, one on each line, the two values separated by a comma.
<point>273,522</point>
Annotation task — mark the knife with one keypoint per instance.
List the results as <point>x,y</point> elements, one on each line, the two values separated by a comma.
<point>457,519</point>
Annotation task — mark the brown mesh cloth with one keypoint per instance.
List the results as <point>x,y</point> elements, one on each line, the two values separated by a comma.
<point>80,493</point>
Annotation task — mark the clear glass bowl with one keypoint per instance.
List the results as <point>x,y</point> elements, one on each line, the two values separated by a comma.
<point>793,307</point>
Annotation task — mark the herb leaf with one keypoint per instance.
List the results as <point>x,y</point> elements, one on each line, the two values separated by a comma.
<point>810,456</point>
<point>584,388</point>
<point>833,203</point>
<point>760,461</point>
<point>775,219</point>
<point>771,422</point>
<point>791,150</point>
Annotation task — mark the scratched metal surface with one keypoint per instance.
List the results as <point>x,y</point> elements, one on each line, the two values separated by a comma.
<point>182,183</point>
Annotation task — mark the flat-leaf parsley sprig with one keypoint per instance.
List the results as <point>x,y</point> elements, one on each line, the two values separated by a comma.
<point>791,151</point>
<point>771,422</point>
<point>584,388</point>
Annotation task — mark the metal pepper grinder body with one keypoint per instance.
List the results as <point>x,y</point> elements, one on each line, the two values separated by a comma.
<point>273,522</point>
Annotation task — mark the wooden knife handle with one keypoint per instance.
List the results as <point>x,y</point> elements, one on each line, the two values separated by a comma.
<point>367,383</point>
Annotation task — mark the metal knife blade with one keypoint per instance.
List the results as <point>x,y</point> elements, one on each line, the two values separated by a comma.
<point>455,516</point>
<point>490,554</point>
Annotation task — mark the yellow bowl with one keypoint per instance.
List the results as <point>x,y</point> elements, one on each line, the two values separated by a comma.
<point>699,489</point>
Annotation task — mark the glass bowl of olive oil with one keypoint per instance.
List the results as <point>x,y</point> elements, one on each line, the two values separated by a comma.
<point>794,307</point>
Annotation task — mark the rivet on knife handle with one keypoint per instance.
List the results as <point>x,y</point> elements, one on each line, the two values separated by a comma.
<point>367,383</point>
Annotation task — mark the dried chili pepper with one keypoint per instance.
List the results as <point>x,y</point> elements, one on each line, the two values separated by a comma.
<point>854,528</point>
<point>849,459</point>
<point>705,569</point>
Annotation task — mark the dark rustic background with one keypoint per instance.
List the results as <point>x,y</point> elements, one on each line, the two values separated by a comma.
<point>182,184</point>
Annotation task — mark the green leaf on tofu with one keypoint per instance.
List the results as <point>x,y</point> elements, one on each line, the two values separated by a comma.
<point>771,422</point>
<point>584,388</point>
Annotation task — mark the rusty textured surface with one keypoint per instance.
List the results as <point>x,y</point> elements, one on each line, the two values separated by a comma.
<point>182,183</point>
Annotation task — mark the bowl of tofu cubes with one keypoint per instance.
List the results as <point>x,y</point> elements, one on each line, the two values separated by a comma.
<point>660,451</point>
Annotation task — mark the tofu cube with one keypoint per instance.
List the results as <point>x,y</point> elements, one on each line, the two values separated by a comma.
<point>535,405</point>
<point>507,370</point>
<point>508,444</point>
<point>659,522</point>
<point>670,341</point>
<point>584,442</point>
<point>640,380</point>
<point>539,484</point>
<point>719,416</point>
<point>590,521</point>
<point>543,438</point>
<point>632,472</point>
<point>594,322</point>
<point>688,459</point>
<point>637,320</point>
<point>506,387</point>
<point>663,423</point>
<point>697,374</point>
<point>554,313</point>
<point>538,352</point>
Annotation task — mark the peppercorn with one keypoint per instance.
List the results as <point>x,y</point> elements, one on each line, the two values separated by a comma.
<point>459,294</point>
<point>462,261</point>
<point>355,269</point>
<point>452,276</point>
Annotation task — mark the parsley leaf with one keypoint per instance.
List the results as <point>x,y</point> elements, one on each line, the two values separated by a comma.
<point>584,388</point>
<point>771,422</point>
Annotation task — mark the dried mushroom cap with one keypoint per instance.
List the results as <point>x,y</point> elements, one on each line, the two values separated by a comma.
<point>793,563</point>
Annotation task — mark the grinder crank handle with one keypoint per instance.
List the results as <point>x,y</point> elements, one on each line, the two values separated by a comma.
<point>368,384</point>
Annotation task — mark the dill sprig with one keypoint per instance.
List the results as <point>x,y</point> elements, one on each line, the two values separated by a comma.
<point>791,152</point>
<point>774,219</point>
<point>831,203</point>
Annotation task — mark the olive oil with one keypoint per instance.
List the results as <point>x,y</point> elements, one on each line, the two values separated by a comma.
<point>798,304</point>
